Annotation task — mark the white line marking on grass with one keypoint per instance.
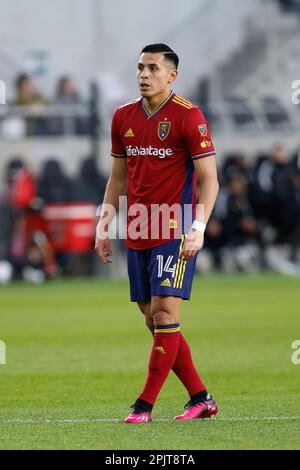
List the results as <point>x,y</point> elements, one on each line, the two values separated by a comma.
<point>117,420</point>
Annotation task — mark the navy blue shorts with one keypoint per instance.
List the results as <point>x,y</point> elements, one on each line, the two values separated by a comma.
<point>159,271</point>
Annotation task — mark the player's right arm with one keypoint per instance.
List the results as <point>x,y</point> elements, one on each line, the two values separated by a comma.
<point>116,187</point>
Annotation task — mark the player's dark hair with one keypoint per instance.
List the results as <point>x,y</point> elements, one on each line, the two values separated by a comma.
<point>163,49</point>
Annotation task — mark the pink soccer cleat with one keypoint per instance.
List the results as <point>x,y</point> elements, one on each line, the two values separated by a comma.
<point>138,417</point>
<point>197,409</point>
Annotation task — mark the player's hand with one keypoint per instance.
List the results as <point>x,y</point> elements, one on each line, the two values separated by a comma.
<point>103,248</point>
<point>192,244</point>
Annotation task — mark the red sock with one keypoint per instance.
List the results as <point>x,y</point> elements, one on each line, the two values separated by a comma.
<point>185,369</point>
<point>162,357</point>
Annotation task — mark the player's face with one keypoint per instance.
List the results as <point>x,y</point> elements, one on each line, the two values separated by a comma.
<point>154,74</point>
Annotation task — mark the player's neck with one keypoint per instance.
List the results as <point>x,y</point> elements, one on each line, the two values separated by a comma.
<point>153,103</point>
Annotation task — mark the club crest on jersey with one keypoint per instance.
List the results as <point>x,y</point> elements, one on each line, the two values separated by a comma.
<point>203,129</point>
<point>163,129</point>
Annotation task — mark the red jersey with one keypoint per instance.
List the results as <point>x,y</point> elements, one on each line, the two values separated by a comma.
<point>160,149</point>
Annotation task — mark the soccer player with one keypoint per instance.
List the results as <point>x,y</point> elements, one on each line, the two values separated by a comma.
<point>160,144</point>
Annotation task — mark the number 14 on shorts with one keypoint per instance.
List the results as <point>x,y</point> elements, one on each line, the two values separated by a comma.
<point>161,267</point>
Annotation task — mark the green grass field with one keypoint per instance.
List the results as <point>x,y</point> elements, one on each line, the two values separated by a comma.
<point>77,353</point>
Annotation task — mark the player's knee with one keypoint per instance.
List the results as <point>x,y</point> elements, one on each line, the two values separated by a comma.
<point>162,317</point>
<point>145,310</point>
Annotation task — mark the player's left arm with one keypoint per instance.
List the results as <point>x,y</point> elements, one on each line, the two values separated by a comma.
<point>206,170</point>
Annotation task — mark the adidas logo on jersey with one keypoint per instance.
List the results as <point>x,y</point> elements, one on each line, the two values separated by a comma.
<point>129,133</point>
<point>166,283</point>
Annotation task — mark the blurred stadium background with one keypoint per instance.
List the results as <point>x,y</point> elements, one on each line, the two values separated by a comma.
<point>64,67</point>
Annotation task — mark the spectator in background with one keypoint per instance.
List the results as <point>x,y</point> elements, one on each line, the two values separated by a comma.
<point>290,6</point>
<point>282,192</point>
<point>240,225</point>
<point>296,161</point>
<point>66,92</point>
<point>215,240</point>
<point>22,192</point>
<point>6,233</point>
<point>27,95</point>
<point>23,189</point>
<point>294,237</point>
<point>53,184</point>
<point>270,176</point>
<point>286,203</point>
<point>90,184</point>
<point>26,246</point>
<point>241,229</point>
<point>236,165</point>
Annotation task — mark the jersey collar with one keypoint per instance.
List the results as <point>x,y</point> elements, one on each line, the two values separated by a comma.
<point>161,106</point>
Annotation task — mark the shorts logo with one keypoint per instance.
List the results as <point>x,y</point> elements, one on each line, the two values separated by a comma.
<point>203,129</point>
<point>160,349</point>
<point>166,283</point>
<point>163,129</point>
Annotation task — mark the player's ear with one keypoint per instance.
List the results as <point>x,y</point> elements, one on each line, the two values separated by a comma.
<point>173,76</point>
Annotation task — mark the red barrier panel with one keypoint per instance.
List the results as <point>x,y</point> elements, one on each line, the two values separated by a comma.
<point>70,227</point>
